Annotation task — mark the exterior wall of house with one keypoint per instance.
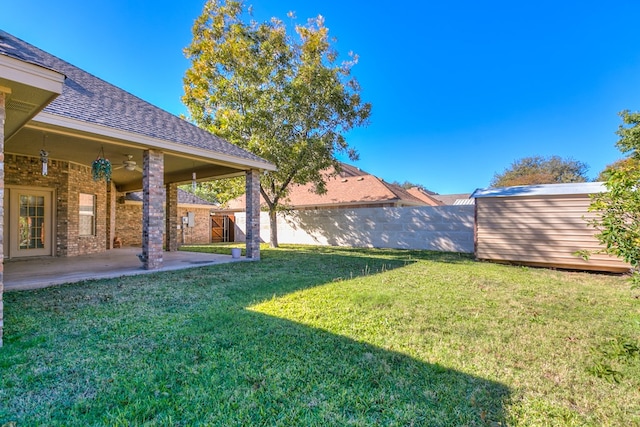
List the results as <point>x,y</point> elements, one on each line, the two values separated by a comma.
<point>439,228</point>
<point>199,234</point>
<point>539,230</point>
<point>81,181</point>
<point>171,218</point>
<point>111,215</point>
<point>129,224</point>
<point>68,180</point>
<point>3,97</point>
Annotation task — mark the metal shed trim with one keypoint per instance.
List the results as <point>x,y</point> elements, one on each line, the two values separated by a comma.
<point>541,190</point>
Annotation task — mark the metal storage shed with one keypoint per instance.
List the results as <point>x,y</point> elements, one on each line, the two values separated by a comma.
<point>540,225</point>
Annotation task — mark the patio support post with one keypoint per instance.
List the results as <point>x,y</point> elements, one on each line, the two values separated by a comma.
<point>111,214</point>
<point>253,214</point>
<point>172,243</point>
<point>152,208</point>
<point>3,96</point>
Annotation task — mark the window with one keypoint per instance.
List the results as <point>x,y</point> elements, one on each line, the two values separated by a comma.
<point>31,230</point>
<point>87,226</point>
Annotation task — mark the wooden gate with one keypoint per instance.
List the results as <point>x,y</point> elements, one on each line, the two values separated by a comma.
<point>222,228</point>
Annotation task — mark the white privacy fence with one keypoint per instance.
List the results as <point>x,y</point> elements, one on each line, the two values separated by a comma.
<point>440,228</point>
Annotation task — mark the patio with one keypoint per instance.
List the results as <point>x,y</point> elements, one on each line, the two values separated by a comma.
<point>35,273</point>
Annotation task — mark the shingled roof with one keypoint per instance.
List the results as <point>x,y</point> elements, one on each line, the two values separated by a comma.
<point>90,99</point>
<point>350,188</point>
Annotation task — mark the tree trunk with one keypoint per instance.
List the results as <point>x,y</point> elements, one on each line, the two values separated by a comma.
<point>273,225</point>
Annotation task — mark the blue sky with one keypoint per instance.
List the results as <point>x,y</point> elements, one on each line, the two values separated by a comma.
<point>459,89</point>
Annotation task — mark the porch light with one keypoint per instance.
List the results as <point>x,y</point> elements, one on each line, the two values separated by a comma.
<point>193,182</point>
<point>44,158</point>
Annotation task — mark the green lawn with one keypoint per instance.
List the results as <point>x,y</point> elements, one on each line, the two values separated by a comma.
<point>326,337</point>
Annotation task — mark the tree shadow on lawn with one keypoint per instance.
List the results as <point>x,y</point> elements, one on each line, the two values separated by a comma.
<point>294,250</point>
<point>183,348</point>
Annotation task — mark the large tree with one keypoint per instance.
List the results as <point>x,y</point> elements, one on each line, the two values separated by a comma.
<point>626,162</point>
<point>218,191</point>
<point>285,97</point>
<point>541,170</point>
<point>618,222</point>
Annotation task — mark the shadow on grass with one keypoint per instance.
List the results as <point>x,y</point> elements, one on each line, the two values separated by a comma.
<point>292,250</point>
<point>182,348</point>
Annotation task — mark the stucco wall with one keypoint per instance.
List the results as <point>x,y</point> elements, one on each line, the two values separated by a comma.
<point>440,228</point>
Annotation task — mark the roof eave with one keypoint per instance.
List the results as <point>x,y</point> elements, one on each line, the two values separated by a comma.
<point>31,74</point>
<point>106,132</point>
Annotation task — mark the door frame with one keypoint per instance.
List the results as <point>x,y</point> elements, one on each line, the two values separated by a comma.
<point>11,218</point>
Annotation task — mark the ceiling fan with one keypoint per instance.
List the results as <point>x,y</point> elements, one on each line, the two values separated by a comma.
<point>129,164</point>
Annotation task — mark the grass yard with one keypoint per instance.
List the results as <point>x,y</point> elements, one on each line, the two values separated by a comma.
<point>326,337</point>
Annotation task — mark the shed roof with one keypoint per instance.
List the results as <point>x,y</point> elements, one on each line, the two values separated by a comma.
<point>541,190</point>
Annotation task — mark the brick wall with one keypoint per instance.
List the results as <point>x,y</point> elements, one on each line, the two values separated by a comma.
<point>27,171</point>
<point>68,180</point>
<point>252,220</point>
<point>111,215</point>
<point>81,181</point>
<point>129,221</point>
<point>2,230</point>
<point>129,224</point>
<point>201,233</point>
<point>153,197</point>
<point>171,218</point>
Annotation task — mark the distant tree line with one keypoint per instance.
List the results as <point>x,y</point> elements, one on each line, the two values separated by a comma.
<point>552,170</point>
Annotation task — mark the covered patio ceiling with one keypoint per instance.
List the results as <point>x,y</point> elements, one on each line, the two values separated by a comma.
<point>83,147</point>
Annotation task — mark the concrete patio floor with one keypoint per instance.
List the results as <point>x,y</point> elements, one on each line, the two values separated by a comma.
<point>35,273</point>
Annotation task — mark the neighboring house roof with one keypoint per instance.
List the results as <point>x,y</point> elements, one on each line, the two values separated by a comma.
<point>92,100</point>
<point>184,198</point>
<point>351,187</point>
<point>429,198</point>
<point>454,199</point>
<point>541,190</point>
<point>464,202</point>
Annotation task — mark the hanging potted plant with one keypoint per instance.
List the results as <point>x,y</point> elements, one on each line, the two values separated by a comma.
<point>101,167</point>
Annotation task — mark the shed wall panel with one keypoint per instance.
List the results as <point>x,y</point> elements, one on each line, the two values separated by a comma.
<point>540,230</point>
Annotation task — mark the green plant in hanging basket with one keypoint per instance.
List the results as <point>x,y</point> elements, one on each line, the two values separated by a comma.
<point>101,168</point>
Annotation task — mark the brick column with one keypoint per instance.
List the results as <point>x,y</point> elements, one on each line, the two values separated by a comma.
<point>111,214</point>
<point>172,243</point>
<point>3,95</point>
<point>152,208</point>
<point>253,214</point>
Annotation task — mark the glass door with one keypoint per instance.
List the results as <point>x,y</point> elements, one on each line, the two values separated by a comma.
<point>30,217</point>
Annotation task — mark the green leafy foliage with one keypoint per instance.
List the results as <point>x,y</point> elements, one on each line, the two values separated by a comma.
<point>619,350</point>
<point>101,169</point>
<point>408,185</point>
<point>627,162</point>
<point>218,191</point>
<point>284,97</point>
<point>618,222</point>
<point>541,170</point>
